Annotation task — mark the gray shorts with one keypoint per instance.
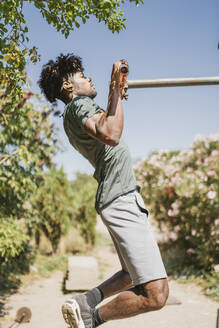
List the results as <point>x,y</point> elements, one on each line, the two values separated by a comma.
<point>127,221</point>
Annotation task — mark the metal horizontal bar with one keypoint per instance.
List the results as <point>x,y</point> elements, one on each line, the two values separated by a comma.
<point>178,82</point>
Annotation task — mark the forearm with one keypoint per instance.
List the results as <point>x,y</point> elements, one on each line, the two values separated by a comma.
<point>111,123</point>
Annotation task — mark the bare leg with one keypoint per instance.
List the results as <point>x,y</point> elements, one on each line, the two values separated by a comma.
<point>147,297</point>
<point>118,282</point>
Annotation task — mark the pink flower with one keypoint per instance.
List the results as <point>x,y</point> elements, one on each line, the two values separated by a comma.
<point>174,211</point>
<point>206,161</point>
<point>211,194</point>
<point>176,228</point>
<point>216,268</point>
<point>170,213</point>
<point>175,206</point>
<point>190,251</point>
<point>215,153</point>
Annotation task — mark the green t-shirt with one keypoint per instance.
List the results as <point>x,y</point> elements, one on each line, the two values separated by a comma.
<point>113,165</point>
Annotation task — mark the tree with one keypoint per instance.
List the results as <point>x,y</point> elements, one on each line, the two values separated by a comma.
<point>59,203</point>
<point>54,206</point>
<point>86,214</point>
<point>64,15</point>
<point>27,142</point>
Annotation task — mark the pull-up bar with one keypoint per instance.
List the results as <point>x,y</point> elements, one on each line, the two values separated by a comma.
<point>175,82</point>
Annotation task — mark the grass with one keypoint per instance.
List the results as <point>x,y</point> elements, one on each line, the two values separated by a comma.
<point>208,281</point>
<point>45,265</point>
<point>178,267</point>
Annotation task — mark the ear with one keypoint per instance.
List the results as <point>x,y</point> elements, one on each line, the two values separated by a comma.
<point>67,86</point>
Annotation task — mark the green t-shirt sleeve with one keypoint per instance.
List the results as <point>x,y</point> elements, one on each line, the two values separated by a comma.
<point>84,108</point>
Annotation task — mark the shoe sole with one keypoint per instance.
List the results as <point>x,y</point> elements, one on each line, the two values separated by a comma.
<point>72,315</point>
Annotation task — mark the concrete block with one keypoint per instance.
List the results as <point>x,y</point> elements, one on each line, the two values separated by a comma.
<point>82,273</point>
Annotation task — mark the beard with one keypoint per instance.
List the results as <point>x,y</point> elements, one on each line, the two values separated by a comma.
<point>93,94</point>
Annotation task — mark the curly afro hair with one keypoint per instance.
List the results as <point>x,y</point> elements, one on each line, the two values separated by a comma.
<point>55,72</point>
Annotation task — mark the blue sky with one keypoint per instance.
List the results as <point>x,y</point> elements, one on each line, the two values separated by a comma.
<point>163,39</point>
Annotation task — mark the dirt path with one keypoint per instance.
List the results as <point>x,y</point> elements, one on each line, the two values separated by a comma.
<point>44,297</point>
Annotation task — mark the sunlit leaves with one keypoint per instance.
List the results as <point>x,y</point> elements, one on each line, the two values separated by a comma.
<point>64,16</point>
<point>12,238</point>
<point>85,211</point>
<point>27,142</point>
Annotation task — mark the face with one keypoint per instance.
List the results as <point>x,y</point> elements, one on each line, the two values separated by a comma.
<point>83,86</point>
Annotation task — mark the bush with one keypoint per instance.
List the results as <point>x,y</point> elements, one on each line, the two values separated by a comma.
<point>59,204</point>
<point>86,186</point>
<point>12,239</point>
<point>53,206</point>
<point>15,254</point>
<point>182,190</point>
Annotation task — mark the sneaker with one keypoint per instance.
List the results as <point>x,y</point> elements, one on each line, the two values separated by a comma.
<point>77,313</point>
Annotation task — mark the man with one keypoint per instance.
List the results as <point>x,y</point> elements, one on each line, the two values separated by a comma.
<point>96,134</point>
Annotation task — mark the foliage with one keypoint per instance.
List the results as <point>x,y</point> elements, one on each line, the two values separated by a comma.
<point>178,265</point>
<point>64,16</point>
<point>182,190</point>
<point>15,253</point>
<point>53,204</point>
<point>12,238</point>
<point>47,264</point>
<point>85,186</point>
<point>27,143</point>
<point>210,282</point>
<point>59,204</point>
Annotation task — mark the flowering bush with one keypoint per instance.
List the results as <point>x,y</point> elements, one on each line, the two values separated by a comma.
<point>182,192</point>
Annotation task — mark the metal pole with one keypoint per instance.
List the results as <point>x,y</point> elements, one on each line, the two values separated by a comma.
<point>178,82</point>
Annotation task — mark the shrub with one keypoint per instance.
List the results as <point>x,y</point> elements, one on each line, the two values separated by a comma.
<point>86,186</point>
<point>15,254</point>
<point>53,206</point>
<point>182,192</point>
<point>59,204</point>
<point>12,239</point>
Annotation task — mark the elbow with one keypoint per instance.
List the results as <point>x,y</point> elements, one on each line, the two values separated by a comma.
<point>113,142</point>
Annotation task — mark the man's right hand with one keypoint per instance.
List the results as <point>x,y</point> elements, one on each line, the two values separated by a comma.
<point>116,75</point>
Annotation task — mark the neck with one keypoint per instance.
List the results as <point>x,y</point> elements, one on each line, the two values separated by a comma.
<point>65,100</point>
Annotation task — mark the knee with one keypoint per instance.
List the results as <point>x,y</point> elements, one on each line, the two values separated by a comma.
<point>156,294</point>
<point>158,301</point>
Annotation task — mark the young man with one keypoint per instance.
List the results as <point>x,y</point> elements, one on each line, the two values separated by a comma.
<point>96,134</point>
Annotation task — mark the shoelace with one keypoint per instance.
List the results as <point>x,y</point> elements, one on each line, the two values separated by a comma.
<point>93,319</point>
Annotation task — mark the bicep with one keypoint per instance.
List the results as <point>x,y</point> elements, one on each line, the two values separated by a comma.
<point>91,127</point>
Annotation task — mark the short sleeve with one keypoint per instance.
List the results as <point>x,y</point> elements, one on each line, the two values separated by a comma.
<point>84,108</point>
